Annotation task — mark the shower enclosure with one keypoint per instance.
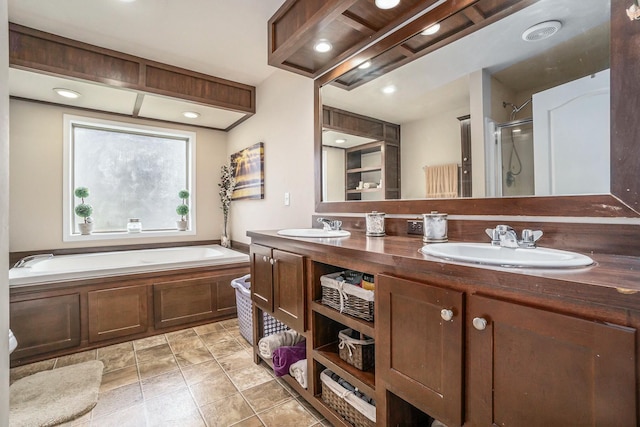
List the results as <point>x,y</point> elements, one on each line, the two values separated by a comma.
<point>514,142</point>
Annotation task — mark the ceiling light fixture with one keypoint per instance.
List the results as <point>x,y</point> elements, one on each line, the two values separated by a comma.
<point>431,30</point>
<point>67,93</point>
<point>389,89</point>
<point>340,141</point>
<point>541,31</point>
<point>364,65</point>
<point>191,114</point>
<point>322,46</point>
<point>387,4</point>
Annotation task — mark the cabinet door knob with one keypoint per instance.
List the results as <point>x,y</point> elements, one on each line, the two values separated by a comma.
<point>265,258</point>
<point>273,261</point>
<point>446,314</point>
<point>479,323</point>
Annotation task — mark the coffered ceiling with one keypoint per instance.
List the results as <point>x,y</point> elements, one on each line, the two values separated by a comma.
<point>224,39</point>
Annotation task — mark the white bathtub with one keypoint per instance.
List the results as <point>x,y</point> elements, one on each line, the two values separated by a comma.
<point>105,264</point>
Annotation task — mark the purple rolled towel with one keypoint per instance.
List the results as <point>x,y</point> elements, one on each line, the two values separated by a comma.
<point>284,357</point>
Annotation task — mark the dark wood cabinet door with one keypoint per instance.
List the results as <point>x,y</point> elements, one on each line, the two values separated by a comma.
<point>117,312</point>
<point>261,277</point>
<point>288,289</point>
<point>424,361</point>
<point>45,324</point>
<point>531,367</point>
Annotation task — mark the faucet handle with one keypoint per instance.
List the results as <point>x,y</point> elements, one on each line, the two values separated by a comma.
<point>494,235</point>
<point>530,237</point>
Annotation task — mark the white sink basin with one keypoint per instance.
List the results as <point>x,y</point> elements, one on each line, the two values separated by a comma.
<point>485,253</point>
<point>313,232</point>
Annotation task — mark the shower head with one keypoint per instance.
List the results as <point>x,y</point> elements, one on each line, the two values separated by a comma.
<point>514,108</point>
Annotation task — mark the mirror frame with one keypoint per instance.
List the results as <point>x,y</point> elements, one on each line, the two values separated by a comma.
<point>624,198</point>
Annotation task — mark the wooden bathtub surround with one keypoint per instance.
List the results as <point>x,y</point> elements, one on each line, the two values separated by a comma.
<point>52,320</point>
<point>522,346</point>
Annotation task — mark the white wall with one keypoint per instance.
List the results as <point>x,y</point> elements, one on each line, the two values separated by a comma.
<point>4,215</point>
<point>284,122</point>
<point>36,178</point>
<point>334,174</point>
<point>432,141</point>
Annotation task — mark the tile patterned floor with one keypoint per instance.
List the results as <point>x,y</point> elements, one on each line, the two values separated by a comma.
<point>202,376</point>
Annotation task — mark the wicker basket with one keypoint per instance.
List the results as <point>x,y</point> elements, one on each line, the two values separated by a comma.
<point>350,407</point>
<point>245,315</point>
<point>355,351</point>
<point>346,298</point>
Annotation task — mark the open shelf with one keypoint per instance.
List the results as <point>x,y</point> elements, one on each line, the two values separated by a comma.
<point>328,356</point>
<point>365,169</point>
<point>359,325</point>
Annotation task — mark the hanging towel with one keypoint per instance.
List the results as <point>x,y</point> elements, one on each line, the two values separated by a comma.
<point>284,357</point>
<point>299,371</point>
<point>442,181</point>
<point>268,344</point>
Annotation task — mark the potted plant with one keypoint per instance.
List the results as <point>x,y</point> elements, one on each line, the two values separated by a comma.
<point>227,184</point>
<point>183,211</point>
<point>84,211</point>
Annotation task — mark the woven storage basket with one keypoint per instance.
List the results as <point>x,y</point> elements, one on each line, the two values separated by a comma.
<point>245,315</point>
<point>350,407</point>
<point>346,298</point>
<point>355,351</point>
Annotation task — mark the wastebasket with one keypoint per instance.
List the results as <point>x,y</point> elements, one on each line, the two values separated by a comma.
<point>242,285</point>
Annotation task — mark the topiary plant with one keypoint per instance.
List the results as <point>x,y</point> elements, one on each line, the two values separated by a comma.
<point>183,209</point>
<point>83,210</point>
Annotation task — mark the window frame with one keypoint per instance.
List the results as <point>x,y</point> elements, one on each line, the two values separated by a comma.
<point>68,214</point>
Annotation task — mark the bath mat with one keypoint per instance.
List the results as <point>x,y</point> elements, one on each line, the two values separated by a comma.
<point>52,397</point>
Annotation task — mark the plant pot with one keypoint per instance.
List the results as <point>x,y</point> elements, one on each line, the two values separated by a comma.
<point>85,228</point>
<point>182,225</point>
<point>225,241</point>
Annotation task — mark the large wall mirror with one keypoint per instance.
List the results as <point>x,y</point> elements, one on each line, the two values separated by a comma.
<point>514,113</point>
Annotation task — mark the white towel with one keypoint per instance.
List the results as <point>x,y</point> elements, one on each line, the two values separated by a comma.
<point>266,345</point>
<point>299,371</point>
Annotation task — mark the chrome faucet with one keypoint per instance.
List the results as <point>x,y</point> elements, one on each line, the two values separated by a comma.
<point>25,260</point>
<point>506,237</point>
<point>329,224</point>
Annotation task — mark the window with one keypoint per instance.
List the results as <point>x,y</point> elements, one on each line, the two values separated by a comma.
<point>131,171</point>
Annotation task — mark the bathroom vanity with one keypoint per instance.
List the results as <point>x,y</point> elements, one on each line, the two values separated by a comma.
<point>470,344</point>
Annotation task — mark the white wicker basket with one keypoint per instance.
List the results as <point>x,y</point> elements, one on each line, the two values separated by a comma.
<point>245,315</point>
<point>346,403</point>
<point>347,298</point>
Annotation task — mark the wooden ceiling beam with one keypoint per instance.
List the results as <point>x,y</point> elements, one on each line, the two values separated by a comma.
<point>474,14</point>
<point>357,23</point>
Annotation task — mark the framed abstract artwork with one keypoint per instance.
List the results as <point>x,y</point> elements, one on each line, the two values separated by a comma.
<point>248,170</point>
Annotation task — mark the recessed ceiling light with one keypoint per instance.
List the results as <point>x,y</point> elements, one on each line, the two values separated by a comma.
<point>389,89</point>
<point>322,46</point>
<point>541,31</point>
<point>431,30</point>
<point>365,65</point>
<point>67,93</point>
<point>340,141</point>
<point>191,114</point>
<point>387,4</point>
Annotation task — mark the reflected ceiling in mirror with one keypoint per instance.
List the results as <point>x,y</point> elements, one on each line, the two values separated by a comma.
<point>490,74</point>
